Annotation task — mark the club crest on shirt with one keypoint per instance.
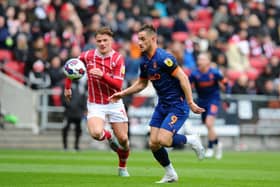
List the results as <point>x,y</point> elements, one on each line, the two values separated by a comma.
<point>168,62</point>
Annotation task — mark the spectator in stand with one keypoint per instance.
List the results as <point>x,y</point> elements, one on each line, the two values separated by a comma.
<point>273,29</point>
<point>255,26</point>
<point>177,49</point>
<point>90,43</point>
<point>53,44</point>
<point>180,21</point>
<point>4,33</point>
<point>51,22</point>
<point>268,46</point>
<point>217,51</point>
<point>164,29</point>
<point>265,76</point>
<point>241,85</point>
<point>220,15</point>
<point>12,22</point>
<point>36,30</point>
<point>68,15</point>
<point>270,88</point>
<point>238,52</point>
<point>38,50</point>
<point>38,77</point>
<point>84,10</point>
<point>56,72</point>
<point>21,50</point>
<point>275,66</point>
<point>224,30</point>
<point>123,26</point>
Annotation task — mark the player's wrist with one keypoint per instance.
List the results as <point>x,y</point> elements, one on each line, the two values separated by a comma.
<point>123,93</point>
<point>190,102</point>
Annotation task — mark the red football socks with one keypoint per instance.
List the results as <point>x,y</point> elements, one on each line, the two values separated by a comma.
<point>106,134</point>
<point>123,155</point>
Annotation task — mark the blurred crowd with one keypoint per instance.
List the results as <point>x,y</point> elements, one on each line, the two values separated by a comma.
<point>242,36</point>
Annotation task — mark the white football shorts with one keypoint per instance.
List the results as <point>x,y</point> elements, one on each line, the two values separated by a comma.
<point>114,112</point>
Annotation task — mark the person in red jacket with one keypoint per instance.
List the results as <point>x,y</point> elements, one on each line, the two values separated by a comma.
<point>105,73</point>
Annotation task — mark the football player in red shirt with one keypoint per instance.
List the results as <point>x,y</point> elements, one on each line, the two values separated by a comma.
<point>105,73</point>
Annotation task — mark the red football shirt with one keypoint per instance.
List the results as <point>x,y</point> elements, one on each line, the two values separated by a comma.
<point>112,65</point>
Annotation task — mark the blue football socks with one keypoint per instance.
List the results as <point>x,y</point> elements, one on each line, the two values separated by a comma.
<point>178,140</point>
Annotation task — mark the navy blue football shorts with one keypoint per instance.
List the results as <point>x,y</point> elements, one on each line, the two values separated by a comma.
<point>170,117</point>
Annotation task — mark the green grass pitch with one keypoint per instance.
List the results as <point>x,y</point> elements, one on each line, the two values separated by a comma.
<point>99,169</point>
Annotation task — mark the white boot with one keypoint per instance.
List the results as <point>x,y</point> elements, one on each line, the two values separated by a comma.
<point>169,178</point>
<point>195,142</point>
<point>219,151</point>
<point>209,153</point>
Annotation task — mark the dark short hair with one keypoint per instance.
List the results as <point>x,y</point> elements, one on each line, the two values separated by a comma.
<point>104,30</point>
<point>148,28</point>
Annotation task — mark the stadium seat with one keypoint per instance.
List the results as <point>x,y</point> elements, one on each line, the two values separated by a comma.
<point>204,14</point>
<point>195,26</point>
<point>170,23</point>
<point>252,74</point>
<point>180,36</point>
<point>233,75</point>
<point>15,69</point>
<point>156,23</point>
<point>5,55</point>
<point>258,62</point>
<point>276,52</point>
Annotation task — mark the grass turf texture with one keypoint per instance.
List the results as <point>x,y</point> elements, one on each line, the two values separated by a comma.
<point>99,169</point>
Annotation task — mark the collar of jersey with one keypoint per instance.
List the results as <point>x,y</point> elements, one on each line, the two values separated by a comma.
<point>103,56</point>
<point>154,52</point>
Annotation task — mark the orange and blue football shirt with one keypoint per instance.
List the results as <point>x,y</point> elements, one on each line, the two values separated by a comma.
<point>172,109</point>
<point>158,69</point>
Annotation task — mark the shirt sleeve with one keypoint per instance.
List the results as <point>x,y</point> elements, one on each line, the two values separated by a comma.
<point>169,64</point>
<point>116,79</point>
<point>67,83</point>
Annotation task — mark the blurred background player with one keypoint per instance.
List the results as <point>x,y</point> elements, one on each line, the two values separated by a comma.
<point>105,72</point>
<point>175,97</point>
<point>207,82</point>
<point>74,112</point>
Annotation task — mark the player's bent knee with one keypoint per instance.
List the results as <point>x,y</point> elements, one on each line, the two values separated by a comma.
<point>96,134</point>
<point>164,142</point>
<point>154,145</point>
<point>123,140</point>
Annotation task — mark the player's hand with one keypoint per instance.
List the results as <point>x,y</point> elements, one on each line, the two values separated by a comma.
<point>96,72</point>
<point>115,97</point>
<point>195,108</point>
<point>68,94</point>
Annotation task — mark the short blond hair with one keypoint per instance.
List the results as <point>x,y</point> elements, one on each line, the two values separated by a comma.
<point>104,30</point>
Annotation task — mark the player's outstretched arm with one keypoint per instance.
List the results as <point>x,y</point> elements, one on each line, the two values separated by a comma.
<point>186,87</point>
<point>139,85</point>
